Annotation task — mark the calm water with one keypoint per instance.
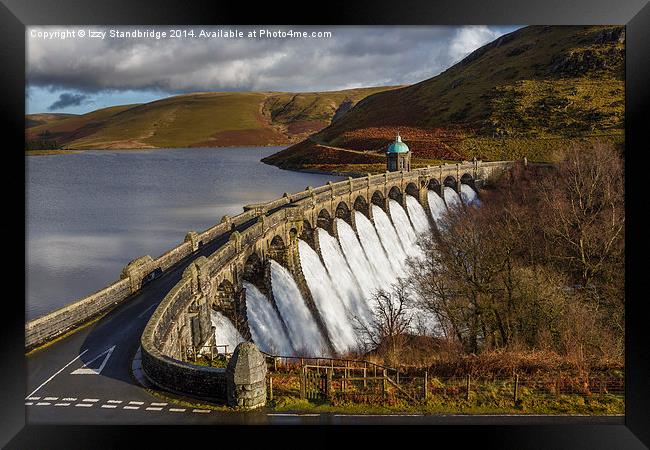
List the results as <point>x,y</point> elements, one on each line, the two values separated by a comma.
<point>90,213</point>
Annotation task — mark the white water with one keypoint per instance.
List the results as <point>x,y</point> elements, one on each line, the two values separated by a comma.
<point>303,331</point>
<point>389,240</point>
<point>225,332</point>
<point>451,198</point>
<point>404,229</point>
<point>330,307</point>
<point>418,215</point>
<point>437,206</point>
<point>374,251</point>
<point>345,283</point>
<point>469,196</point>
<point>265,324</point>
<point>357,259</point>
<point>341,284</point>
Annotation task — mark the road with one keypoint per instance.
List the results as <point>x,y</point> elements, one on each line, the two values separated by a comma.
<point>86,377</point>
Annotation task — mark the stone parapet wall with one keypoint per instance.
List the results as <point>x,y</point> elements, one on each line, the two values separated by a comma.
<point>64,319</point>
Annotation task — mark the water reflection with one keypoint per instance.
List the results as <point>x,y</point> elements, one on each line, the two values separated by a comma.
<point>90,213</point>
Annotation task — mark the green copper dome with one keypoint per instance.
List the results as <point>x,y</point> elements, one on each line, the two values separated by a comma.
<point>398,146</point>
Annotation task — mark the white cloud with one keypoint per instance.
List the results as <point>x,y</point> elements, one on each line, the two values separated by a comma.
<point>354,56</point>
<point>470,38</point>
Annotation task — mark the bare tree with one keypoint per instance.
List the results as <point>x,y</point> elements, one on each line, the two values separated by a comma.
<point>390,322</point>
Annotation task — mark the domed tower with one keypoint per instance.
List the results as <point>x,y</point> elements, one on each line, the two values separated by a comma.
<point>398,156</point>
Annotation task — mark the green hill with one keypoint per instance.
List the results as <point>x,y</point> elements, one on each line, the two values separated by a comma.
<point>525,94</point>
<point>199,120</point>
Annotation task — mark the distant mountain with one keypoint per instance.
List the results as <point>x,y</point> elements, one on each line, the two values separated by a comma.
<point>197,120</point>
<point>524,94</point>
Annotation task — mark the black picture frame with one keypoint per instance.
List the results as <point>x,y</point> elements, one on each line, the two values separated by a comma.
<point>633,432</point>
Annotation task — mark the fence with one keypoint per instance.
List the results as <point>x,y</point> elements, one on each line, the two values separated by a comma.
<point>366,382</point>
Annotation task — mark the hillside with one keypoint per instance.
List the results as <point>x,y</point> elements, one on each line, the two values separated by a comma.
<point>524,94</point>
<point>197,120</point>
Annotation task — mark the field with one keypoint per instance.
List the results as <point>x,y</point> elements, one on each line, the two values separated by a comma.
<point>195,120</point>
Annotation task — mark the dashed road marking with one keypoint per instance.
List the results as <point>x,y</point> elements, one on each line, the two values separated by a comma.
<point>132,405</point>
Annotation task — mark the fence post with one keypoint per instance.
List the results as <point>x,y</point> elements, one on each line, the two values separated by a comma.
<point>468,386</point>
<point>516,388</point>
<point>270,387</point>
<point>426,384</point>
<point>329,391</point>
<point>365,382</point>
<point>303,382</point>
<point>383,386</point>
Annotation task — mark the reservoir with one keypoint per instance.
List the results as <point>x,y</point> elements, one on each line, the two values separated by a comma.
<point>89,213</point>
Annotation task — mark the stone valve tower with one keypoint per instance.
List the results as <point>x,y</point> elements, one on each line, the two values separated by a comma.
<point>398,156</point>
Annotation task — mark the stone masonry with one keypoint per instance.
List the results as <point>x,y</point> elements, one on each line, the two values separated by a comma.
<point>246,377</point>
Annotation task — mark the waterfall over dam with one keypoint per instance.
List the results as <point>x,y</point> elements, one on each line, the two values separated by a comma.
<point>342,271</point>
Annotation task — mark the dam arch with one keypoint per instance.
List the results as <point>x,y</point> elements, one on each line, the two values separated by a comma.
<point>450,181</point>
<point>434,185</point>
<point>468,179</point>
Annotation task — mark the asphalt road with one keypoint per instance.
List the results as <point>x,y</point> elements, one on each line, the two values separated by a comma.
<point>86,378</point>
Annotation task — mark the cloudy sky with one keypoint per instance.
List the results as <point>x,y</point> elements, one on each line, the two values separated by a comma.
<point>77,74</point>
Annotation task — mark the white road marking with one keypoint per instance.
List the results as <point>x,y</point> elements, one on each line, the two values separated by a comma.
<point>115,401</point>
<point>92,400</point>
<point>84,370</point>
<point>51,398</point>
<point>136,403</point>
<point>294,415</point>
<point>131,407</point>
<point>60,370</point>
<point>201,410</point>
<point>378,415</point>
<point>29,403</point>
<point>145,311</point>
<point>153,409</point>
<point>85,405</point>
<point>109,406</point>
<point>43,403</point>
<point>62,404</point>
<point>158,404</point>
<point>177,409</point>
<point>69,399</point>
<point>33,398</point>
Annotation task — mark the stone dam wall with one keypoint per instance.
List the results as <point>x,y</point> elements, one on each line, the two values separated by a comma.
<point>181,325</point>
<point>284,218</point>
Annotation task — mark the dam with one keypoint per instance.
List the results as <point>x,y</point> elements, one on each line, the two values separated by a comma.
<point>299,277</point>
